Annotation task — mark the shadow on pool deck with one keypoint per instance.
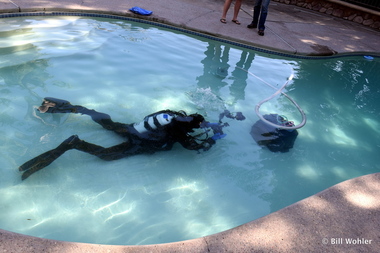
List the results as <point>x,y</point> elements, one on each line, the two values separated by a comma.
<point>343,218</point>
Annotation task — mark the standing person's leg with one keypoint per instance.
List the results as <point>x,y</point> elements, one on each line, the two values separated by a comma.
<point>226,6</point>
<point>263,16</point>
<point>236,12</point>
<point>256,14</point>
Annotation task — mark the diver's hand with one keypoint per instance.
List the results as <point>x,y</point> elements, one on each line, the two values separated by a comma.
<point>218,136</point>
<point>207,144</point>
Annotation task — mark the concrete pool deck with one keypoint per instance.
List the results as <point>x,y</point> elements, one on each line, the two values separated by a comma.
<point>342,218</point>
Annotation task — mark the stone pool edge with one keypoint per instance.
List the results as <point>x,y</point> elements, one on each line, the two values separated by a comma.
<point>342,218</point>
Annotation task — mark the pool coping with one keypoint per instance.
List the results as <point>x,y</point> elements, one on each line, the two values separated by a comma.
<point>348,210</point>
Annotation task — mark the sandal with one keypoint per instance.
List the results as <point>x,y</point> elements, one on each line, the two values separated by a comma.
<point>223,20</point>
<point>236,21</point>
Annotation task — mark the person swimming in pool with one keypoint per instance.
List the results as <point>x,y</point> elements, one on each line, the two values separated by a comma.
<point>157,132</point>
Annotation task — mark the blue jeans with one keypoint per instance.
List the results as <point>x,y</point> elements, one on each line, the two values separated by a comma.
<point>260,6</point>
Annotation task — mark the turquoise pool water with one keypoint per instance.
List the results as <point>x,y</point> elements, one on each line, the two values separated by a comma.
<point>130,70</point>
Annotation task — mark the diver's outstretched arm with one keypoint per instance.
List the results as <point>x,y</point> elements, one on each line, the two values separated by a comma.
<point>55,105</point>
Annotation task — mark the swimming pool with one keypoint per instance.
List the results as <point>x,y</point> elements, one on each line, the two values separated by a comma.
<point>130,70</point>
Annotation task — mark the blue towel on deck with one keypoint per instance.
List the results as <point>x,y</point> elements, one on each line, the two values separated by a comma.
<point>140,11</point>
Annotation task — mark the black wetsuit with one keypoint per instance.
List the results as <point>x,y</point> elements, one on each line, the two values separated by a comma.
<point>152,140</point>
<point>149,137</point>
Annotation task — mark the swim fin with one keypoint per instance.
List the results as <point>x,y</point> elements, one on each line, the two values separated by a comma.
<point>56,105</point>
<point>39,162</point>
<point>48,157</point>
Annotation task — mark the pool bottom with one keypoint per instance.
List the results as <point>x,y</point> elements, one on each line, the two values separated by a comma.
<point>342,218</point>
